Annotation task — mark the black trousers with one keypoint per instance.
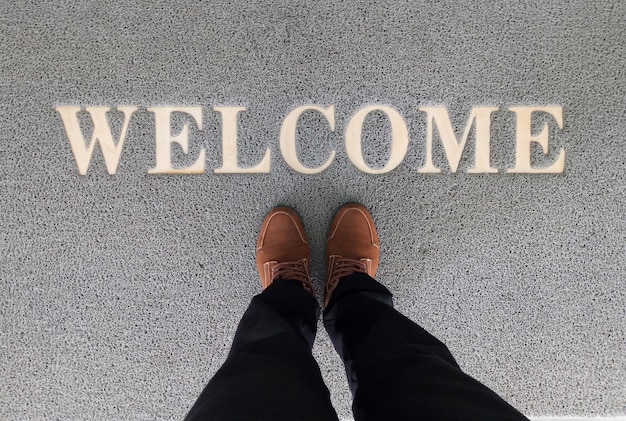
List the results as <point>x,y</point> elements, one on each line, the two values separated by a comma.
<point>396,370</point>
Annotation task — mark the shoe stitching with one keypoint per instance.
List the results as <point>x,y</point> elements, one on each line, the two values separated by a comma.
<point>367,219</point>
<point>267,224</point>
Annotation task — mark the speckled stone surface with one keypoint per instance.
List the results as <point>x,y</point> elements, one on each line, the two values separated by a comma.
<point>120,295</point>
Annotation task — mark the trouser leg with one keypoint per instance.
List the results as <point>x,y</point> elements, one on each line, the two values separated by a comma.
<point>270,373</point>
<point>397,370</point>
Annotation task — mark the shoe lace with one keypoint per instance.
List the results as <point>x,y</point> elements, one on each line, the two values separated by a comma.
<point>293,271</point>
<point>342,266</point>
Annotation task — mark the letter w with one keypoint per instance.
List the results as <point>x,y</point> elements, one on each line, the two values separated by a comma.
<point>101,134</point>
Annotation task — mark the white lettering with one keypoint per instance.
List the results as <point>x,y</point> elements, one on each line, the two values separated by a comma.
<point>524,139</point>
<point>229,145</point>
<point>437,119</point>
<point>288,138</point>
<point>453,148</point>
<point>399,139</point>
<point>101,134</point>
<point>164,140</point>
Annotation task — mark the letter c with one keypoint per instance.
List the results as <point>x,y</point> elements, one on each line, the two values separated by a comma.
<point>288,138</point>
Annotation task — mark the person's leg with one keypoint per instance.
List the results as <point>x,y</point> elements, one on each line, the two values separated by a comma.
<point>396,370</point>
<point>270,373</point>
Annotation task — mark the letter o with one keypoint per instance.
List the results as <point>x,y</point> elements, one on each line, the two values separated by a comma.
<point>399,139</point>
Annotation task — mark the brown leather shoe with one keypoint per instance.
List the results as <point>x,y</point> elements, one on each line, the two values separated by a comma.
<point>352,246</point>
<point>282,250</point>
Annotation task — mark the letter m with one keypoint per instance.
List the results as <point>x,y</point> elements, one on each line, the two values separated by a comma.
<point>101,133</point>
<point>452,146</point>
